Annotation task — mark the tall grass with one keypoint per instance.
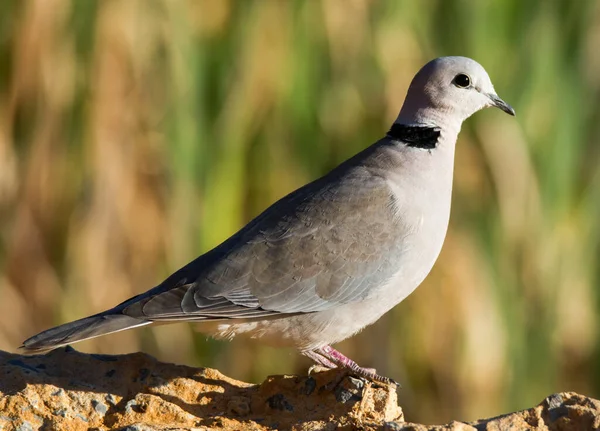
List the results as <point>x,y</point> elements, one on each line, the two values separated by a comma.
<point>135,135</point>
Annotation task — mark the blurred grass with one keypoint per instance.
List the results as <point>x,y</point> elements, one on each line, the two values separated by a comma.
<point>135,135</point>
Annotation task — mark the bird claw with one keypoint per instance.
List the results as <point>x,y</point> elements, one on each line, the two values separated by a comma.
<point>370,374</point>
<point>338,359</point>
<point>317,368</point>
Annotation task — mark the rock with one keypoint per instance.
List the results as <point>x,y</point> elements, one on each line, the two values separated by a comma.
<point>564,411</point>
<point>68,390</point>
<point>559,412</point>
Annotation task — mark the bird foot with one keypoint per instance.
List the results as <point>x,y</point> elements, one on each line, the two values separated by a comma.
<point>336,358</point>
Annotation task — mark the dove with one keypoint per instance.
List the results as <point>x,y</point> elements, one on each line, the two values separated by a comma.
<point>333,256</point>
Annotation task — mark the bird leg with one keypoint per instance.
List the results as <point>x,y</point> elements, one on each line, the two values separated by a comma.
<point>319,359</point>
<point>342,361</point>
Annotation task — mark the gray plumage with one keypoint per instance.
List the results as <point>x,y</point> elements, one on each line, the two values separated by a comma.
<point>333,256</point>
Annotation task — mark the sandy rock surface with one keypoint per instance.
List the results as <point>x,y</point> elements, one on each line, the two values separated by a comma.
<point>69,390</point>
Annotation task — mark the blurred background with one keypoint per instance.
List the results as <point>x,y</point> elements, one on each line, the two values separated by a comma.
<point>138,134</point>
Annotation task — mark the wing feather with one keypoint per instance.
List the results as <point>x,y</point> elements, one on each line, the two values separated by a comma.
<point>328,243</point>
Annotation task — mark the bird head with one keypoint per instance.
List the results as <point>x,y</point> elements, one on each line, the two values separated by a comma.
<point>449,89</point>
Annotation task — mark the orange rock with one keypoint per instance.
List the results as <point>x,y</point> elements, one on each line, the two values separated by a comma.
<point>68,390</point>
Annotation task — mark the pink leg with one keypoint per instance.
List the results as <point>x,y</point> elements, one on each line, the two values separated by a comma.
<point>342,361</point>
<point>319,359</point>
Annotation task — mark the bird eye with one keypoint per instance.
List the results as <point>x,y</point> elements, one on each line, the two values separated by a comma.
<point>462,81</point>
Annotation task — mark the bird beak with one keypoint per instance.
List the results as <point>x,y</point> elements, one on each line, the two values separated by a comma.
<point>499,103</point>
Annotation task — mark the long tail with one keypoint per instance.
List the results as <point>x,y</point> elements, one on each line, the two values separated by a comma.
<point>79,330</point>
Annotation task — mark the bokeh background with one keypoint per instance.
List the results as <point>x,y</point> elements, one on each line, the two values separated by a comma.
<point>137,134</point>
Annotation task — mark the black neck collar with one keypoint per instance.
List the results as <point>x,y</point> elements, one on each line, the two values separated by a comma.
<point>415,136</point>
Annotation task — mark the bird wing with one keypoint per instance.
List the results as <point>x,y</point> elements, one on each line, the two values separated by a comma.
<point>332,242</point>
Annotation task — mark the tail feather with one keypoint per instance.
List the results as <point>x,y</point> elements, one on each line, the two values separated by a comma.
<point>79,330</point>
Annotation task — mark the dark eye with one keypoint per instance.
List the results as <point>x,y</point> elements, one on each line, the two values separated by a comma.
<point>462,81</point>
